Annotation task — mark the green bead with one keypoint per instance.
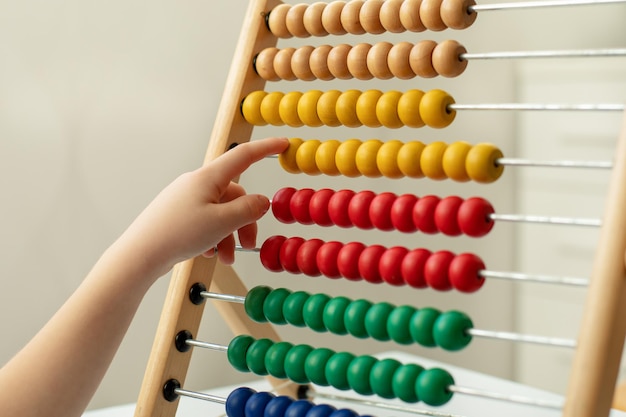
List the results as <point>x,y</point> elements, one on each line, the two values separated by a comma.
<point>255,356</point>
<point>432,386</point>
<point>254,303</point>
<point>403,382</point>
<point>273,305</point>
<point>450,331</point>
<point>313,312</point>
<point>275,359</point>
<point>422,325</point>
<point>376,320</point>
<point>354,318</point>
<point>292,308</point>
<point>398,324</point>
<point>337,370</point>
<point>359,374</point>
<point>236,352</point>
<point>334,315</point>
<point>381,377</point>
<point>315,366</point>
<point>294,363</point>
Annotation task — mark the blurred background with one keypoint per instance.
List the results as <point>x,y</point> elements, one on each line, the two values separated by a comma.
<point>102,104</point>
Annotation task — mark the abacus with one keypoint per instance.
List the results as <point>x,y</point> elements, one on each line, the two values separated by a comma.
<point>246,103</point>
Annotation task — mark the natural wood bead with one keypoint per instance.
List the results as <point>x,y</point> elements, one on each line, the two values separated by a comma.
<point>410,16</point>
<point>350,17</point>
<point>264,64</point>
<point>420,59</point>
<point>369,16</point>
<point>331,18</point>
<point>277,21</point>
<point>430,13</point>
<point>357,61</point>
<point>300,63</point>
<point>318,62</point>
<point>447,58</point>
<point>282,64</point>
<point>338,61</point>
<point>312,19</point>
<point>295,21</point>
<point>377,60</point>
<point>456,13</point>
<point>390,16</point>
<point>398,61</point>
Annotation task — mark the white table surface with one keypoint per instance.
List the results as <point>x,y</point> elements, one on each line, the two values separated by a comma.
<point>460,404</point>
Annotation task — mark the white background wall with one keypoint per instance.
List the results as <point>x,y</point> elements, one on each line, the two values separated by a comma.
<point>103,103</point>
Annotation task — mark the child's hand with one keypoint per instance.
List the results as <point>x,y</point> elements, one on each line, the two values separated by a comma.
<point>201,210</point>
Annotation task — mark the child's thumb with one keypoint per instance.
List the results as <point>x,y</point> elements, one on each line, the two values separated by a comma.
<point>243,211</point>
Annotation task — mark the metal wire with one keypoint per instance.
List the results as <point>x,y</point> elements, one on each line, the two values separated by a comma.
<point>579,53</point>
<point>538,4</point>
<point>569,221</point>
<point>538,107</point>
<point>505,397</point>
<point>554,164</point>
<point>200,396</point>
<point>523,338</point>
<point>544,279</point>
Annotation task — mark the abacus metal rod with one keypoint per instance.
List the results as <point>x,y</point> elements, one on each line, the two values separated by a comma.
<point>543,279</point>
<point>538,4</point>
<point>569,221</point>
<point>538,107</point>
<point>200,396</point>
<point>579,53</point>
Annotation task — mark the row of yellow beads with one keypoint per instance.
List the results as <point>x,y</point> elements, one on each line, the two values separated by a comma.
<point>352,108</point>
<point>459,161</point>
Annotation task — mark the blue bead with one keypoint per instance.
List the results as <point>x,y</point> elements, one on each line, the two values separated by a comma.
<point>344,412</point>
<point>236,401</point>
<point>255,406</point>
<point>298,408</point>
<point>320,410</point>
<point>277,406</point>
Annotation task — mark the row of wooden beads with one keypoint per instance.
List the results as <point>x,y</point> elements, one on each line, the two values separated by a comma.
<point>369,16</point>
<point>383,60</point>
<point>351,108</point>
<point>459,161</point>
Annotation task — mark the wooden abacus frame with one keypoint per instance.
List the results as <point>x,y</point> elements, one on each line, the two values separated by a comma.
<point>601,338</point>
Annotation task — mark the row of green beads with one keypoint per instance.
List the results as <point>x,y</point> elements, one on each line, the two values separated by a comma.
<point>360,318</point>
<point>366,375</point>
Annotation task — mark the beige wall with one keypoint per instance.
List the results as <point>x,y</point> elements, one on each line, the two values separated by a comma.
<point>103,103</point>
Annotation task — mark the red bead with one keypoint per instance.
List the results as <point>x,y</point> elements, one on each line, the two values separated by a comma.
<point>390,265</point>
<point>299,205</point>
<point>436,270</point>
<point>369,261</point>
<point>270,251</point>
<point>380,211</point>
<point>288,252</point>
<point>318,207</point>
<point>424,214</point>
<point>359,209</point>
<point>280,205</point>
<point>307,257</point>
<point>338,208</point>
<point>463,272</point>
<point>412,268</point>
<point>402,213</point>
<point>446,215</point>
<point>473,217</point>
<point>326,259</point>
<point>348,260</point>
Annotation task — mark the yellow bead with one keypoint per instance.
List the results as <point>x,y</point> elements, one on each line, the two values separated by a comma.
<point>434,109</point>
<point>387,159</point>
<point>287,158</point>
<point>481,163</point>
<point>387,109</point>
<point>346,108</point>
<point>251,108</point>
<point>454,161</point>
<point>305,157</point>
<point>269,108</point>
<point>325,157</point>
<point>431,160</point>
<point>345,158</point>
<point>409,108</point>
<point>288,109</point>
<point>326,108</point>
<point>366,108</point>
<point>409,159</point>
<point>307,108</point>
<point>366,158</point>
